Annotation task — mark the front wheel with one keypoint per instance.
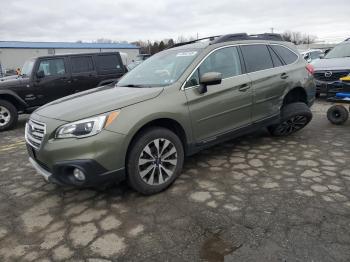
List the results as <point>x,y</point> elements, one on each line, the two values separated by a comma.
<point>8,115</point>
<point>154,161</point>
<point>337,114</point>
<point>294,117</point>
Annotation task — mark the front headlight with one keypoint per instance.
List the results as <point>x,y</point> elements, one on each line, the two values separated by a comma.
<point>86,127</point>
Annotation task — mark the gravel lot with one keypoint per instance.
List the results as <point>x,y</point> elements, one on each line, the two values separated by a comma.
<point>256,198</point>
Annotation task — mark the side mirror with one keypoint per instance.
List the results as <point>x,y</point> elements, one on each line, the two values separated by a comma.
<point>40,74</point>
<point>207,79</point>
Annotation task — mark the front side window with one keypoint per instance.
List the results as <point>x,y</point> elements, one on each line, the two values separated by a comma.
<point>287,55</point>
<point>339,51</point>
<point>256,57</point>
<point>225,61</point>
<point>81,64</point>
<point>162,69</point>
<point>52,67</point>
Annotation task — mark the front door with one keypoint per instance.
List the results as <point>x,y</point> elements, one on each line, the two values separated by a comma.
<point>224,107</point>
<point>52,80</point>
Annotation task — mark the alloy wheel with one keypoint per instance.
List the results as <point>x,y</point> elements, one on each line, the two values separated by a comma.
<point>158,161</point>
<point>5,116</point>
<point>291,125</point>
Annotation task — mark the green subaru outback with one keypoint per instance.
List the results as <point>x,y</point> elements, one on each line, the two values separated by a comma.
<point>176,103</point>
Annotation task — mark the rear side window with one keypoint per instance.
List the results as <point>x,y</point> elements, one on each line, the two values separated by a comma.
<point>287,55</point>
<point>256,57</point>
<point>109,62</point>
<point>275,59</point>
<point>81,64</point>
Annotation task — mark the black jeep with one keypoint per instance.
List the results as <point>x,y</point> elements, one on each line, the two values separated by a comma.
<point>48,78</point>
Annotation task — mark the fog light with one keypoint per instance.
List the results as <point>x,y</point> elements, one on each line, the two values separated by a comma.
<point>78,174</point>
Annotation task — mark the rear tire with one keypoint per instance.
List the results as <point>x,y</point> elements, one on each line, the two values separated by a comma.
<point>154,161</point>
<point>294,117</point>
<point>8,115</point>
<point>337,114</point>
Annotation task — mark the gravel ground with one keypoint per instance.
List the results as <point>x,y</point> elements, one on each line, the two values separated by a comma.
<point>255,198</point>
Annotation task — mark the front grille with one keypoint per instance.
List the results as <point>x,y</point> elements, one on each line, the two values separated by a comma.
<point>34,133</point>
<point>327,77</point>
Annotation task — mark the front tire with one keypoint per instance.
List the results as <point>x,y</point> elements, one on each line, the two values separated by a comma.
<point>294,117</point>
<point>155,160</point>
<point>8,115</point>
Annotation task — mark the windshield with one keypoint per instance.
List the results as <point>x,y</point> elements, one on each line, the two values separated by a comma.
<point>339,51</point>
<point>162,69</point>
<point>27,68</point>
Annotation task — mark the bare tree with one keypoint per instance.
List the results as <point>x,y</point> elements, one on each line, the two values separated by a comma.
<point>299,38</point>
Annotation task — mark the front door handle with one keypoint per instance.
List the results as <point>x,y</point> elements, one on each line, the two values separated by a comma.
<point>244,87</point>
<point>284,76</point>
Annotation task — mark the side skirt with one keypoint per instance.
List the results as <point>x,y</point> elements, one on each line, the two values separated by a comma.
<point>196,147</point>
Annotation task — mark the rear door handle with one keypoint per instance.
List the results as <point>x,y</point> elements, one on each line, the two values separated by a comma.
<point>284,76</point>
<point>244,87</point>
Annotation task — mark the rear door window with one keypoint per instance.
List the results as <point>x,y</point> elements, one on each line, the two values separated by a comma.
<point>275,59</point>
<point>256,57</point>
<point>82,64</point>
<point>287,55</point>
<point>109,62</point>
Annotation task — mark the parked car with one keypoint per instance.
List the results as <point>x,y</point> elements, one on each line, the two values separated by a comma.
<point>312,54</point>
<point>335,65</point>
<point>48,78</point>
<point>139,59</point>
<point>174,104</point>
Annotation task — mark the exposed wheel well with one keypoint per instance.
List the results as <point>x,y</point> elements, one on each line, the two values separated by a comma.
<point>297,94</point>
<point>170,124</point>
<point>13,101</point>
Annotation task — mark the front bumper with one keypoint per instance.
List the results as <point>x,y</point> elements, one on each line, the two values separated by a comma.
<point>62,173</point>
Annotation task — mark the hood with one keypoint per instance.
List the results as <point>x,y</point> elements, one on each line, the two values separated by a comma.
<point>14,80</point>
<point>96,101</point>
<point>332,64</point>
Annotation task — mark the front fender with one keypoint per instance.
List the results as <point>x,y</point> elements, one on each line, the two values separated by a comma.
<point>13,95</point>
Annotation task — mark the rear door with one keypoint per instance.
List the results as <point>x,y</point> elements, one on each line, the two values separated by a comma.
<point>268,77</point>
<point>84,75</point>
<point>224,107</point>
<point>109,66</point>
<point>55,82</point>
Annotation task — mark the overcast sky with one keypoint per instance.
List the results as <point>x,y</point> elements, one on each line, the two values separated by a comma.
<point>130,20</point>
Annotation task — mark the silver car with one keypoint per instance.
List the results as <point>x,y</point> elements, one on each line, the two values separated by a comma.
<point>332,67</point>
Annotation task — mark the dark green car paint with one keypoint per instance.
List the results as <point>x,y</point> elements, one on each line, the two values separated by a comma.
<point>239,101</point>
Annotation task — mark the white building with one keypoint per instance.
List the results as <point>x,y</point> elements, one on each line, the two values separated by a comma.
<point>13,54</point>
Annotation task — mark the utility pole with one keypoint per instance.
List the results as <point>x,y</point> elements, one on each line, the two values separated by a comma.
<point>272,29</point>
<point>197,35</point>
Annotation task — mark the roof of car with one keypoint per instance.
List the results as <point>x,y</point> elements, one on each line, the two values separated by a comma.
<point>65,45</point>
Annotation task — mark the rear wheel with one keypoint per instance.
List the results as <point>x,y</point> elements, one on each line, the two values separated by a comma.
<point>8,115</point>
<point>337,114</point>
<point>155,160</point>
<point>294,117</point>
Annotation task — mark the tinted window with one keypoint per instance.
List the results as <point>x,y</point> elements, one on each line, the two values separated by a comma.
<point>108,62</point>
<point>287,55</point>
<point>256,57</point>
<point>52,67</point>
<point>82,64</point>
<point>275,59</point>
<point>225,61</point>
